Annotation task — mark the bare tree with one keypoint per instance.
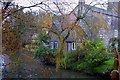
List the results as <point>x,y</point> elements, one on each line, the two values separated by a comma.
<point>69,22</point>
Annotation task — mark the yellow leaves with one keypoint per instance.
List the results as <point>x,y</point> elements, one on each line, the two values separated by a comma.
<point>100,20</point>
<point>46,21</point>
<point>79,31</point>
<point>81,46</point>
<point>75,34</point>
<point>97,19</point>
<point>87,41</point>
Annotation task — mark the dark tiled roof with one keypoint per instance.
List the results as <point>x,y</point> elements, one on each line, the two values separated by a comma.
<point>97,10</point>
<point>57,24</point>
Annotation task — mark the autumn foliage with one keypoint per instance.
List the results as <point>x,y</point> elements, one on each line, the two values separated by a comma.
<point>10,40</point>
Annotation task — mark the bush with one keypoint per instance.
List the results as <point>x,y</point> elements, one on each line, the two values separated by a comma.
<point>69,61</point>
<point>42,50</point>
<point>105,67</point>
<point>95,55</point>
<point>46,55</point>
<point>36,41</point>
<point>91,57</point>
<point>43,38</point>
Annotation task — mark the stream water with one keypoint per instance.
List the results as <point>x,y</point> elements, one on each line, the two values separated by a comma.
<point>29,67</point>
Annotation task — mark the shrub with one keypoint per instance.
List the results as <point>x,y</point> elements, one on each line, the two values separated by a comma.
<point>90,58</point>
<point>105,67</point>
<point>42,50</point>
<point>46,55</point>
<point>69,60</point>
<point>36,41</point>
<point>95,55</point>
<point>43,38</point>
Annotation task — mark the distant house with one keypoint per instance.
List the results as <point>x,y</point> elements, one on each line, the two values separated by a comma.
<point>111,22</point>
<point>70,41</point>
<point>109,15</point>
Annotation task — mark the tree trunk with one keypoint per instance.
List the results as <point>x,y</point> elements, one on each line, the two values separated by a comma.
<point>59,52</point>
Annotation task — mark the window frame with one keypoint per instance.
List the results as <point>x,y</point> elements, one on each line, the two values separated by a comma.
<point>53,45</point>
<point>73,46</point>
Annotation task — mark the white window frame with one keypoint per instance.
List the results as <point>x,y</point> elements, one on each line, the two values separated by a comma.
<point>73,46</point>
<point>109,20</point>
<point>56,43</point>
<point>115,33</point>
<point>52,45</point>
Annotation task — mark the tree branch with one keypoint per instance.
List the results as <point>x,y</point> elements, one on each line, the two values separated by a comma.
<point>67,35</point>
<point>21,9</point>
<point>7,5</point>
<point>58,8</point>
<point>88,9</point>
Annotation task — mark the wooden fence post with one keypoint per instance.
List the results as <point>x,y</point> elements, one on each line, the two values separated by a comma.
<point>115,72</point>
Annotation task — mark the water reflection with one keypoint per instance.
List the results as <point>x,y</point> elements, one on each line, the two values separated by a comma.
<point>33,68</point>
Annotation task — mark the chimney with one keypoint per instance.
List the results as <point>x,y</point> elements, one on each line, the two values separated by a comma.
<point>81,4</point>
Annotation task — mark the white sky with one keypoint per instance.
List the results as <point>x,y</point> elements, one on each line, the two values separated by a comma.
<point>74,2</point>
<point>28,2</point>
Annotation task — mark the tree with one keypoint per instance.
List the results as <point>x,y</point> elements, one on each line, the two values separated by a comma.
<point>15,25</point>
<point>67,24</point>
<point>9,37</point>
<point>11,11</point>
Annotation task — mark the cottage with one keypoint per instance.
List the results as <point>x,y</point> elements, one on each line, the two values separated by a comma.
<point>110,20</point>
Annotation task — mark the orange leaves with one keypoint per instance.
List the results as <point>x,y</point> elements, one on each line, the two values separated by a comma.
<point>11,41</point>
<point>101,21</point>
<point>44,23</point>
<point>79,33</point>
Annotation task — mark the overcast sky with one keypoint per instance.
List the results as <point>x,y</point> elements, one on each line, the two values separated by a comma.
<point>74,2</point>
<point>28,2</point>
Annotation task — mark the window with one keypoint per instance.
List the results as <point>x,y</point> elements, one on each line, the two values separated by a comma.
<point>69,47</point>
<point>53,45</point>
<point>109,20</point>
<point>115,33</point>
<point>73,46</point>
